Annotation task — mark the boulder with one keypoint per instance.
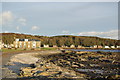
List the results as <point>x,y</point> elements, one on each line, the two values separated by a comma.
<point>83,59</point>
<point>27,71</point>
<point>82,65</point>
<point>32,65</point>
<point>74,66</point>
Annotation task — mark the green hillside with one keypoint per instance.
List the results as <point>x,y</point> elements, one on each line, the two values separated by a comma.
<point>66,40</point>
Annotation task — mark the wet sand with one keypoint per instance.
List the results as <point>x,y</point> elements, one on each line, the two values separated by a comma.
<point>4,58</point>
<point>7,55</point>
<point>17,60</point>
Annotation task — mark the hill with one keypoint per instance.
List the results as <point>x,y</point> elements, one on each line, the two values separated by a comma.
<point>61,40</point>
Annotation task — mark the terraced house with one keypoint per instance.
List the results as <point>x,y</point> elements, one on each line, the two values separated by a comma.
<point>27,43</point>
<point>0,43</point>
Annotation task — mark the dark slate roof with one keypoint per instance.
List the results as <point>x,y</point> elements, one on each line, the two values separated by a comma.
<point>28,40</point>
<point>21,39</point>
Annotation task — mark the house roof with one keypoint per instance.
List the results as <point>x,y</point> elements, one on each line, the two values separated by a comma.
<point>28,40</point>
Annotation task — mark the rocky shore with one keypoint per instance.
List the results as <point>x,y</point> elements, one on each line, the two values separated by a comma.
<point>27,65</point>
<point>94,65</point>
<point>54,65</point>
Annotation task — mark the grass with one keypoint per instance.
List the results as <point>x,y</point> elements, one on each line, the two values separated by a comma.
<point>11,50</point>
<point>17,50</point>
<point>48,48</point>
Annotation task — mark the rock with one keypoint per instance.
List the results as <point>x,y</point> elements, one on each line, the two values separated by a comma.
<point>75,66</point>
<point>47,73</point>
<point>66,65</point>
<point>37,73</point>
<point>32,65</point>
<point>113,61</point>
<point>83,59</point>
<point>59,72</point>
<point>41,65</point>
<point>72,57</point>
<point>68,62</point>
<point>33,71</point>
<point>105,60</point>
<point>109,53</point>
<point>90,58</point>
<point>28,71</point>
<point>94,65</point>
<point>63,51</point>
<point>114,77</point>
<point>82,65</point>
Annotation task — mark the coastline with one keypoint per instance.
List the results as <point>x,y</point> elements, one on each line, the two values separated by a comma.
<point>43,63</point>
<point>20,59</point>
<point>23,61</point>
<point>7,55</point>
<point>95,48</point>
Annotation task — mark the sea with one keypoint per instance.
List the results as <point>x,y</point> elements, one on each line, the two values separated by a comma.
<point>94,50</point>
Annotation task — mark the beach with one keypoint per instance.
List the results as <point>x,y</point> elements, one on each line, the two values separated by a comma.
<point>18,57</point>
<point>22,62</point>
<point>49,64</point>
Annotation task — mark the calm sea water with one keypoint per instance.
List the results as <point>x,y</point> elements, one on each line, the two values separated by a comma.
<point>90,50</point>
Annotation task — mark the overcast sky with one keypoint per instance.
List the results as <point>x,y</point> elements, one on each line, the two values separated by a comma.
<point>58,18</point>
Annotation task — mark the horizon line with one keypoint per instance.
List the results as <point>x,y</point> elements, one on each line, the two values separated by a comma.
<point>58,35</point>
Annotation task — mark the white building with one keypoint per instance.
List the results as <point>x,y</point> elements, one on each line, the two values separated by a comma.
<point>95,46</point>
<point>118,46</point>
<point>63,46</point>
<point>79,46</point>
<point>27,43</point>
<point>55,46</point>
<point>72,46</point>
<point>107,47</point>
<point>46,46</point>
<point>112,46</point>
<point>0,44</point>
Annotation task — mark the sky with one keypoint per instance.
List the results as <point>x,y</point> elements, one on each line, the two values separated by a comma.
<point>61,18</point>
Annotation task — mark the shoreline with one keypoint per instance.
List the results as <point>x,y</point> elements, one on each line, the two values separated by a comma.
<point>18,60</point>
<point>43,63</point>
<point>6,55</point>
<point>95,48</point>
